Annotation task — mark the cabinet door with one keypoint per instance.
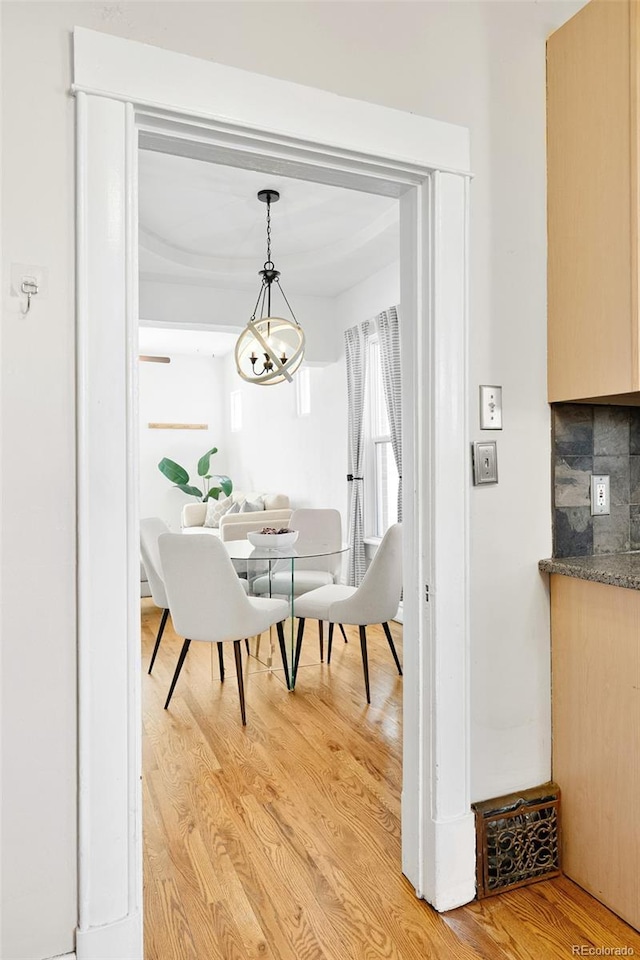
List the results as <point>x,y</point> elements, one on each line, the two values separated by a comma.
<point>593,204</point>
<point>596,737</point>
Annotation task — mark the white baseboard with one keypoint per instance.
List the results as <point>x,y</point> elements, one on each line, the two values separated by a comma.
<point>450,877</point>
<point>64,956</point>
<point>121,940</point>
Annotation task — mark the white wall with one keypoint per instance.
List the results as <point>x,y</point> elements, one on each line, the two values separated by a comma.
<point>187,390</point>
<point>175,303</point>
<point>480,64</point>
<point>366,299</point>
<point>278,451</point>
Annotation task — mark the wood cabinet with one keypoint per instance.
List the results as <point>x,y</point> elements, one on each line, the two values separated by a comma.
<point>593,84</point>
<point>596,737</point>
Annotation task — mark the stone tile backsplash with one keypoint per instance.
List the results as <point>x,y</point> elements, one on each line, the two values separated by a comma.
<point>595,439</point>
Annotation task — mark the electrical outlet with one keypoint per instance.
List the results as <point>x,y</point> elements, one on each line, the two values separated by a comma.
<point>600,500</point>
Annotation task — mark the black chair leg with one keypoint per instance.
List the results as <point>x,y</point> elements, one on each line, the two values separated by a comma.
<point>221,662</point>
<point>385,627</point>
<point>165,614</point>
<point>181,659</point>
<point>298,648</point>
<point>365,660</point>
<point>246,646</point>
<point>343,633</point>
<point>331,626</point>
<point>283,653</point>
<point>321,636</point>
<point>237,649</point>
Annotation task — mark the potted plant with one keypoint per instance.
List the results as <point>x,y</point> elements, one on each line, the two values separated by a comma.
<point>213,484</point>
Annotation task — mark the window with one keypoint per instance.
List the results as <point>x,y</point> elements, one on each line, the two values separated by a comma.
<point>381,474</point>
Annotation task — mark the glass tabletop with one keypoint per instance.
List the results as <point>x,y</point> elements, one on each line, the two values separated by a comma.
<point>273,573</point>
<point>302,549</point>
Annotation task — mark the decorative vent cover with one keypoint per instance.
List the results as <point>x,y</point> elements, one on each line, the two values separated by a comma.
<point>517,839</point>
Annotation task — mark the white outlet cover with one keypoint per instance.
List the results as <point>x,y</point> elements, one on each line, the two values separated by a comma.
<point>600,495</point>
<point>490,407</point>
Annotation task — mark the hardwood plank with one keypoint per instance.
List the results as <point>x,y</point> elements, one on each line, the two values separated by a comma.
<point>243,861</point>
<point>281,840</point>
<point>177,941</point>
<point>597,924</point>
<point>546,919</point>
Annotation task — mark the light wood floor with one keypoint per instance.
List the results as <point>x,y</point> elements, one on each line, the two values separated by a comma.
<point>281,840</point>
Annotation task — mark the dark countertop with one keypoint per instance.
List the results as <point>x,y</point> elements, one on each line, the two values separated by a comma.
<point>616,569</point>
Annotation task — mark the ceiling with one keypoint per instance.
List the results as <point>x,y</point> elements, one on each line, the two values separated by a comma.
<point>201,223</point>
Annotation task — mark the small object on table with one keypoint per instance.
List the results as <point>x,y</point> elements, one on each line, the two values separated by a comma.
<point>273,539</point>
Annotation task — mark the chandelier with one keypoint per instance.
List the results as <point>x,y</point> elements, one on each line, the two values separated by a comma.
<point>270,348</point>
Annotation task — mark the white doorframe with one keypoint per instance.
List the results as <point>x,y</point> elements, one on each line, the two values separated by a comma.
<point>126,90</point>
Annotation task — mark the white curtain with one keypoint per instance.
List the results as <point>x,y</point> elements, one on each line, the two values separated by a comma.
<point>389,338</point>
<point>356,351</point>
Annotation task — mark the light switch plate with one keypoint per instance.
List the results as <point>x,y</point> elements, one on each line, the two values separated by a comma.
<point>490,407</point>
<point>485,462</point>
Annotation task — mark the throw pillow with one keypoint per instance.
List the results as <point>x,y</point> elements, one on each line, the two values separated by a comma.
<point>215,510</point>
<point>252,506</point>
<point>234,508</point>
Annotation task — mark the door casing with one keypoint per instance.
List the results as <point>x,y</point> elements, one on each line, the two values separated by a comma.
<point>129,94</point>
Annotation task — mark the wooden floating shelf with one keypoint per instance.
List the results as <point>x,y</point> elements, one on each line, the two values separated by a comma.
<point>178,426</point>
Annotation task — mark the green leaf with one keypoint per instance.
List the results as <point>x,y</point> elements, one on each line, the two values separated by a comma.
<point>224,482</point>
<point>191,491</point>
<point>203,462</point>
<point>213,493</point>
<point>173,471</point>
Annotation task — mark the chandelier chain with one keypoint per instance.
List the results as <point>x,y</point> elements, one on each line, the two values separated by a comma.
<point>269,260</point>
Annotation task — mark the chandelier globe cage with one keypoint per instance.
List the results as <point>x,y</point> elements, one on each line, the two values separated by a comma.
<point>270,349</point>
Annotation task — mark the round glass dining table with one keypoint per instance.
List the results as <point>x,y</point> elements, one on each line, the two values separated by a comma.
<point>260,563</point>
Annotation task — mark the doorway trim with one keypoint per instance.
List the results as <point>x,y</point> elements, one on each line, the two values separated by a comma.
<point>126,91</point>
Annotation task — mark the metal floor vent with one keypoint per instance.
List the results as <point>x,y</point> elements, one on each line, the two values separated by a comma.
<point>517,839</point>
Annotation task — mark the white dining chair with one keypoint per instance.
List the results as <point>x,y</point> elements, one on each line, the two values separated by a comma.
<point>208,602</point>
<point>322,526</point>
<point>150,529</point>
<point>374,601</point>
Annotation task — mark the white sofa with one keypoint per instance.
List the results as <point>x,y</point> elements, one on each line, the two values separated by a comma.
<point>235,526</point>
